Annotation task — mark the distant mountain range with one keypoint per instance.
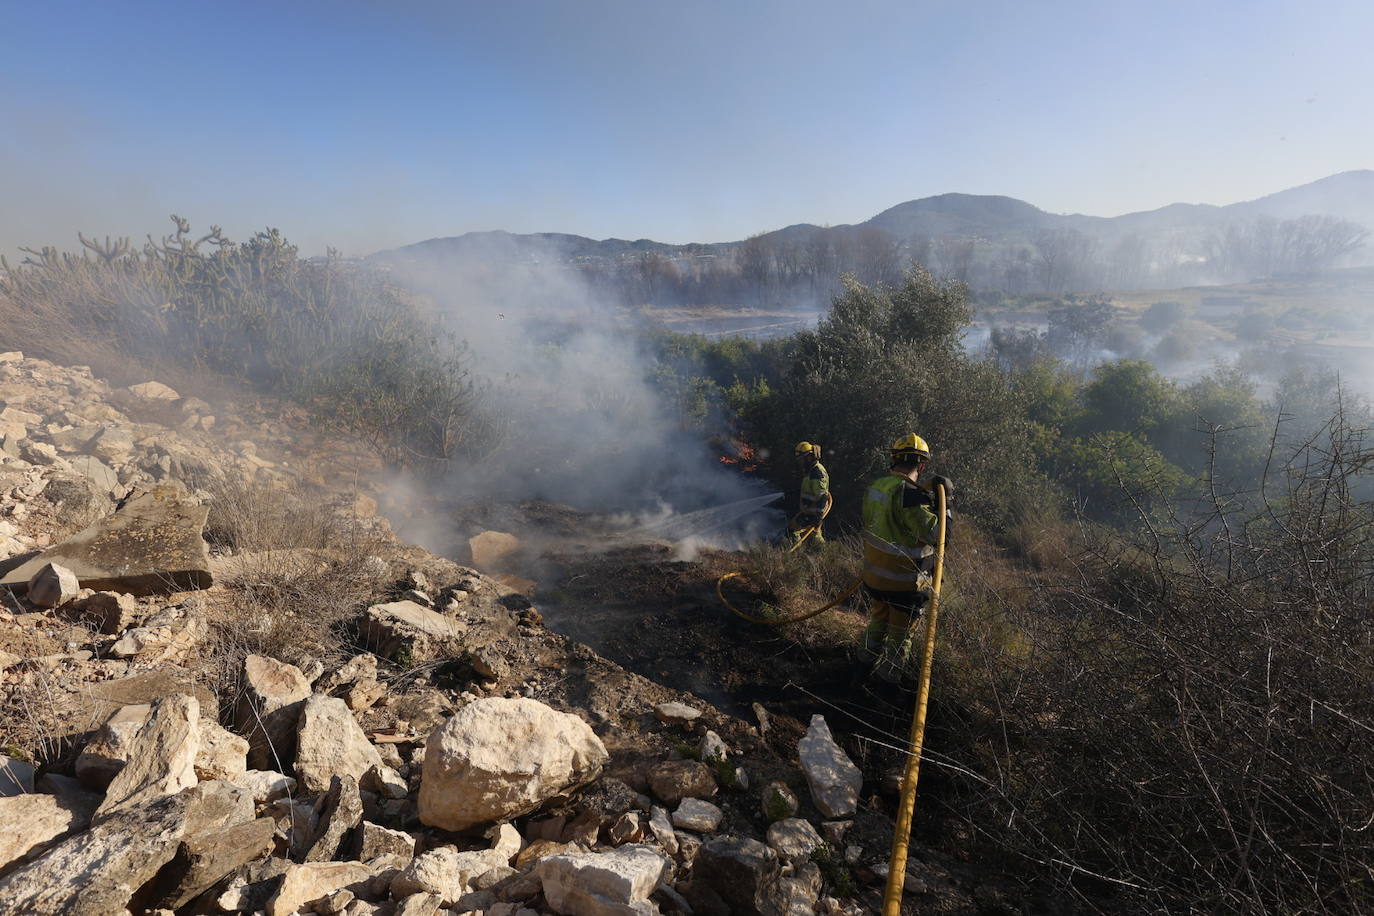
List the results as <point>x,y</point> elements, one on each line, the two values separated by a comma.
<point>986,218</point>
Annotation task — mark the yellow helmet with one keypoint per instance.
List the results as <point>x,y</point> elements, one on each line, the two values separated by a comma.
<point>910,449</point>
<point>807,448</point>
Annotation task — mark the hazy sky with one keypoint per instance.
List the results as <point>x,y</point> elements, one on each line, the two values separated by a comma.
<point>368,125</point>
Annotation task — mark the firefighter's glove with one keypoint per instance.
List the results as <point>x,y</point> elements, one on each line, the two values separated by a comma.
<point>938,481</point>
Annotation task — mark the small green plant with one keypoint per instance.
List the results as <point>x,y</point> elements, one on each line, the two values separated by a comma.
<point>726,773</point>
<point>835,872</point>
<point>686,749</point>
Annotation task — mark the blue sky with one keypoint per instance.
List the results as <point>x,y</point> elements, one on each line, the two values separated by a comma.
<point>367,125</point>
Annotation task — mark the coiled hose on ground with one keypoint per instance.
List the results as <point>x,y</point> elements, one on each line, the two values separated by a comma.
<point>844,596</point>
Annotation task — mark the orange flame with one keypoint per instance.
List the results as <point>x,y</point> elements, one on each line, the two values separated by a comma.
<point>746,459</point>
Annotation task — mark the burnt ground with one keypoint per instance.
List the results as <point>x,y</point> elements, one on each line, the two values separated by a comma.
<point>661,618</point>
<point>639,605</point>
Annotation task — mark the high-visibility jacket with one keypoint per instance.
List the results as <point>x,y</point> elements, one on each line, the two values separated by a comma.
<point>900,529</point>
<point>815,487</point>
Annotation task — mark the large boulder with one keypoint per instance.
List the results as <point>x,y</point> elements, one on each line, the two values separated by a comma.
<point>329,743</point>
<point>499,758</point>
<point>833,778</point>
<point>269,707</point>
<point>153,545</point>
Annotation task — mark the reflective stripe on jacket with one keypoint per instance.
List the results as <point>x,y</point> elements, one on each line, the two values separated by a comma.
<point>814,488</point>
<point>900,529</point>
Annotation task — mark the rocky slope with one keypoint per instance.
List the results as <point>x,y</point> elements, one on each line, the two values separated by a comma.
<point>419,743</point>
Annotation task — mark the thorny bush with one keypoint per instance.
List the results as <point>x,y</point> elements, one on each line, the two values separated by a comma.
<point>1189,726</point>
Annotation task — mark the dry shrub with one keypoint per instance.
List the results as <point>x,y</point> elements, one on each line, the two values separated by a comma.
<point>29,721</point>
<point>292,605</point>
<point>794,582</point>
<point>300,576</point>
<point>246,516</point>
<point>1186,728</point>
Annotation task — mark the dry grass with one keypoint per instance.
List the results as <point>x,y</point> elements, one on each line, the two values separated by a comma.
<point>299,577</point>
<point>246,516</point>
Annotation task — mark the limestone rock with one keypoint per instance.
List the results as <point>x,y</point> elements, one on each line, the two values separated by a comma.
<point>264,785</point>
<point>221,754</point>
<point>598,884</point>
<point>833,778</point>
<point>444,871</point>
<point>341,811</point>
<point>676,713</point>
<point>99,700</point>
<point>151,546</point>
<point>106,753</point>
<point>112,444</point>
<point>490,548</point>
<point>109,612</point>
<point>778,802</point>
<point>742,872</point>
<point>169,634</point>
<point>797,893</point>
<point>674,780</point>
<point>100,474</point>
<point>268,710</point>
<point>330,742</point>
<point>33,822</point>
<point>583,829</point>
<point>711,747</point>
<point>51,585</point>
<point>161,756</point>
<point>794,839</point>
<point>628,828</point>
<point>420,905</point>
<point>408,629</point>
<point>375,840</point>
<point>314,881</point>
<point>358,668</point>
<point>500,758</point>
<point>207,856</point>
<point>542,849</point>
<point>698,815</point>
<point>97,871</point>
<point>153,391</point>
<point>662,828</point>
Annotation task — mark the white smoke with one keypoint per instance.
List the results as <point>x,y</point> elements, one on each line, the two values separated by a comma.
<point>569,381</point>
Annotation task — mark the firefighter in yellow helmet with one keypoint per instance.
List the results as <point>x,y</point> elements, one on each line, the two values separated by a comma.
<point>815,494</point>
<point>900,532</point>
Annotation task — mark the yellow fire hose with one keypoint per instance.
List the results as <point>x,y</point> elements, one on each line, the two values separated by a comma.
<point>901,836</point>
<point>720,592</point>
